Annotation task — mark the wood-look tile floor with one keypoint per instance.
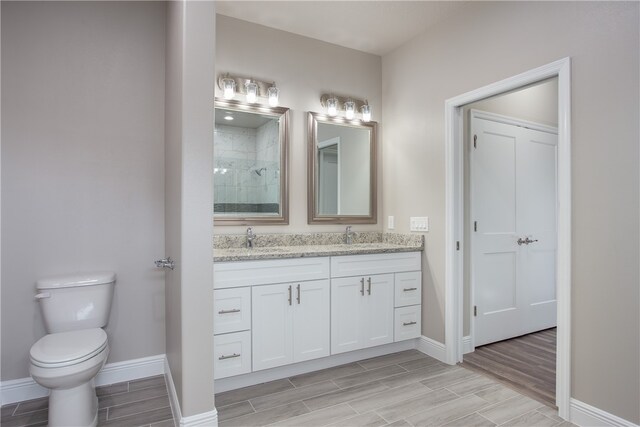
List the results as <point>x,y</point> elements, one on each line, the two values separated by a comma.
<point>141,402</point>
<point>402,389</point>
<point>526,363</point>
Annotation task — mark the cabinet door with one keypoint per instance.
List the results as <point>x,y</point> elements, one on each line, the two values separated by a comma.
<point>346,314</point>
<point>311,320</point>
<point>271,333</point>
<point>377,315</point>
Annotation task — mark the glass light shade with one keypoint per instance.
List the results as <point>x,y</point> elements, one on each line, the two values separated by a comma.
<point>252,92</point>
<point>349,109</point>
<point>366,112</point>
<point>229,88</point>
<point>273,93</point>
<point>332,107</point>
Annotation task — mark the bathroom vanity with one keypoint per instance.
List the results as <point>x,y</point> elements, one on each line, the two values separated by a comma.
<point>279,306</point>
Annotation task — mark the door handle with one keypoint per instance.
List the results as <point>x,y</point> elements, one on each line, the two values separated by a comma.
<point>289,294</point>
<point>362,286</point>
<point>298,293</point>
<point>521,241</point>
<point>369,288</point>
<point>528,240</point>
<point>165,263</point>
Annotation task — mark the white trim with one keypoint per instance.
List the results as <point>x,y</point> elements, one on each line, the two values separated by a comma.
<point>432,348</point>
<point>507,120</point>
<point>585,415</point>
<point>467,346</point>
<point>208,419</point>
<point>239,381</point>
<point>26,388</point>
<point>173,395</point>
<point>454,228</point>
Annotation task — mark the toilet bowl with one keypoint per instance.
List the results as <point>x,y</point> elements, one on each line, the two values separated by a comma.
<point>66,363</point>
<point>67,360</point>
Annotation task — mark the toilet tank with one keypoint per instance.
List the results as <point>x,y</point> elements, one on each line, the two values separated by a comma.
<point>77,301</point>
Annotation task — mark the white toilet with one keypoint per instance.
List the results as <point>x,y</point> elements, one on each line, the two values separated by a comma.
<point>75,308</point>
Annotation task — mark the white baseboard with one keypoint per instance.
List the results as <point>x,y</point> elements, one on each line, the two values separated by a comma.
<point>432,348</point>
<point>26,388</point>
<point>206,419</point>
<point>239,381</point>
<point>585,415</point>
<point>466,345</point>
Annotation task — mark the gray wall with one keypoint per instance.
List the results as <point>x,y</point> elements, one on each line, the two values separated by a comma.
<point>189,205</point>
<point>492,41</point>
<point>83,164</point>
<point>303,69</point>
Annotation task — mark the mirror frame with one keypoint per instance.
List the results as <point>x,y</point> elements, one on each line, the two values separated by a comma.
<point>243,218</point>
<point>312,177</point>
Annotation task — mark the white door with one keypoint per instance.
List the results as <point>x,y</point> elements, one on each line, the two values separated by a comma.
<point>378,310</point>
<point>513,213</point>
<point>347,305</point>
<point>272,315</point>
<point>311,320</point>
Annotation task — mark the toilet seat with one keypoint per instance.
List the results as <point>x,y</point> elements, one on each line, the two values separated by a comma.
<point>68,348</point>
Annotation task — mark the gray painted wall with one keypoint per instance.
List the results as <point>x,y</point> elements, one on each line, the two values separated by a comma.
<point>492,41</point>
<point>83,165</point>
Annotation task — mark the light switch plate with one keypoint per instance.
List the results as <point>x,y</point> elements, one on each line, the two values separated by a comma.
<point>391,223</point>
<point>419,223</point>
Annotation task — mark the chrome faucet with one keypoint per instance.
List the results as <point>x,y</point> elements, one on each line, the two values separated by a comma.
<point>348,235</point>
<point>250,238</point>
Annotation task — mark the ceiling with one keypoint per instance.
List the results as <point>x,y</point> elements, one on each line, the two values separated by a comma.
<point>376,27</point>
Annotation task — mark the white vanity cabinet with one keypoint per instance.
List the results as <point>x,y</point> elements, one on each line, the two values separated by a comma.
<point>363,299</point>
<point>291,323</point>
<point>361,312</point>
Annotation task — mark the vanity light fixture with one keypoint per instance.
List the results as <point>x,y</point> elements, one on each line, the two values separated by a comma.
<point>349,105</point>
<point>252,92</point>
<point>332,106</point>
<point>250,87</point>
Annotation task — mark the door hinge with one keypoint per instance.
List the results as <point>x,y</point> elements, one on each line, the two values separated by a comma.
<point>475,310</point>
<point>457,245</point>
<point>475,141</point>
<point>475,225</point>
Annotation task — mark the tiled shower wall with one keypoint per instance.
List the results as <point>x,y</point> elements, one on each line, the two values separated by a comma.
<point>246,164</point>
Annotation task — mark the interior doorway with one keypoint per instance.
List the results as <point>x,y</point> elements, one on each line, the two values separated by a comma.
<point>510,192</point>
<point>456,243</point>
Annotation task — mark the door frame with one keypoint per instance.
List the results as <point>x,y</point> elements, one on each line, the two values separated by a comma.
<point>468,238</point>
<point>454,209</point>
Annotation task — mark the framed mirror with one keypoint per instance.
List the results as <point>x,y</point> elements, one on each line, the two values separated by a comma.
<point>250,155</point>
<point>342,170</point>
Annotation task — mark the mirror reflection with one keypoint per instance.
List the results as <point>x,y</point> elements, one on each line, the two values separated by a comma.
<point>342,170</point>
<point>249,160</point>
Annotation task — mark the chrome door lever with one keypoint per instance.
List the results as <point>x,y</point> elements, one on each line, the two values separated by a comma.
<point>528,240</point>
<point>521,241</point>
<point>166,263</point>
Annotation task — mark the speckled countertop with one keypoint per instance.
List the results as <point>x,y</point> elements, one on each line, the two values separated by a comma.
<point>277,246</point>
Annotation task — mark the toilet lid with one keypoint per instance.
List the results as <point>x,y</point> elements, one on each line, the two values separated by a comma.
<point>68,348</point>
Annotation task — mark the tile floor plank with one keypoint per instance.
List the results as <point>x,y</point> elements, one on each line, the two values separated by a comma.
<point>109,400</point>
<point>158,380</point>
<point>472,420</point>
<point>140,419</point>
<point>448,378</point>
<point>369,376</point>
<point>392,359</point>
<point>472,385</point>
<point>403,410</point>
<point>293,395</point>
<point>496,394</point>
<point>234,410</point>
<point>247,393</point>
<point>384,398</point>
<point>370,419</point>
<point>32,405</point>
<point>321,417</point>
<point>132,408</point>
<point>509,409</point>
<point>447,412</point>
<point>531,419</point>
<point>269,416</point>
<point>326,374</point>
<point>345,395</point>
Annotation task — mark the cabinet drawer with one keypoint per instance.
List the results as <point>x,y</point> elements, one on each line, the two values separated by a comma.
<point>232,354</point>
<point>407,323</point>
<point>408,289</point>
<point>251,273</point>
<point>359,265</point>
<point>232,310</point>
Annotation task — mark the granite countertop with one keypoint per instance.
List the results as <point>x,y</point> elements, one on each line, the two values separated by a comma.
<point>321,244</point>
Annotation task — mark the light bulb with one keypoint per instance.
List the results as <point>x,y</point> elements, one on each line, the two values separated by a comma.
<point>229,88</point>
<point>252,92</point>
<point>366,112</point>
<point>273,93</point>
<point>349,109</point>
<point>332,107</point>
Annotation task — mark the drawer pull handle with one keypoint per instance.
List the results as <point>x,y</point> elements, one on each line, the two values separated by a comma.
<point>410,289</point>
<point>289,294</point>
<point>223,357</point>
<point>408,323</point>
<point>362,286</point>
<point>298,293</point>
<point>235,310</point>
<point>369,282</point>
